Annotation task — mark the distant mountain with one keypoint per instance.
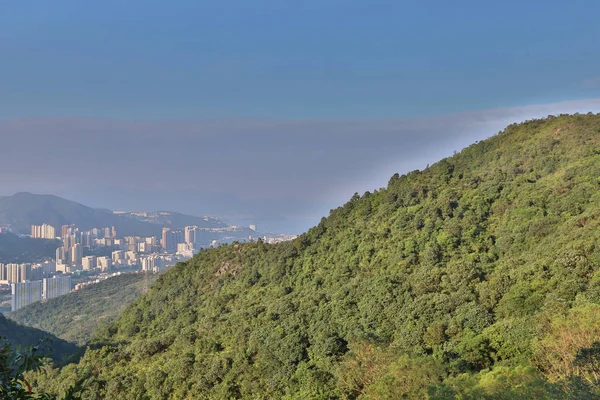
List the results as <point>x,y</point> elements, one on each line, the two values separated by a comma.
<point>173,219</point>
<point>22,210</point>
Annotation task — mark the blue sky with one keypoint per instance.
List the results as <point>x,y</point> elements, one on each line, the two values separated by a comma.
<point>308,69</point>
<point>292,59</point>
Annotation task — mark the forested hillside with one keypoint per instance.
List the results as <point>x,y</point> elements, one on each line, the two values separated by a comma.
<point>478,277</point>
<point>15,249</point>
<point>22,336</point>
<point>76,315</point>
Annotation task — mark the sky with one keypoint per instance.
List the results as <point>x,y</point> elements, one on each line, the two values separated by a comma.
<point>272,112</point>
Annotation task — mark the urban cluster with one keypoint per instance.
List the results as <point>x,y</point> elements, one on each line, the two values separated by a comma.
<point>40,282</point>
<point>25,292</point>
<point>147,253</point>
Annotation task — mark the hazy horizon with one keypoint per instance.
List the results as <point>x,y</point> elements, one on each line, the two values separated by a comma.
<point>283,175</point>
<point>271,113</point>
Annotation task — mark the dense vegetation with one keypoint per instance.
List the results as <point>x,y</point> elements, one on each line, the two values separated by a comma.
<point>15,249</point>
<point>76,315</point>
<point>15,363</point>
<point>21,336</point>
<point>476,278</point>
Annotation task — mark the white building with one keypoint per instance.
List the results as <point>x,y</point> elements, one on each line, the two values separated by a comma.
<point>190,234</point>
<point>88,263</point>
<point>118,257</point>
<point>64,268</point>
<point>104,263</point>
<point>149,264</point>
<point>60,255</point>
<point>44,231</point>
<point>25,293</point>
<point>54,287</point>
<point>76,254</point>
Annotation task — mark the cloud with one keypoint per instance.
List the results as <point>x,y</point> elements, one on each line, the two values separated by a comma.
<point>260,170</point>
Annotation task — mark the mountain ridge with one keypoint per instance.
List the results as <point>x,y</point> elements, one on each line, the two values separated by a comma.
<point>24,209</point>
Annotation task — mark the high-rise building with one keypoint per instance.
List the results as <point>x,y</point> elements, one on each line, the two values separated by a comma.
<point>88,263</point>
<point>190,234</point>
<point>60,255</point>
<point>104,263</point>
<point>86,239</point>
<point>68,242</point>
<point>43,231</point>
<point>76,255</point>
<point>64,268</point>
<point>118,257</point>
<point>143,247</point>
<point>186,249</point>
<point>148,264</point>
<point>131,243</point>
<point>48,267</point>
<point>13,273</point>
<point>54,287</point>
<point>130,256</point>
<point>25,293</point>
<point>164,242</point>
<point>170,238</point>
<point>25,272</point>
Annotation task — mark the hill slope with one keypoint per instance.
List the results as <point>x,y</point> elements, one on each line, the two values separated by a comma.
<point>15,249</point>
<point>24,336</point>
<point>76,315</point>
<point>478,277</point>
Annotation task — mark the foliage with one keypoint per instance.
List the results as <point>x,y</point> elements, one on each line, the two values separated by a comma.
<point>15,249</point>
<point>18,335</point>
<point>571,345</point>
<point>446,284</point>
<point>14,364</point>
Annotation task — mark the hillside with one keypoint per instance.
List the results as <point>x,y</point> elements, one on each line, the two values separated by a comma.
<point>75,316</point>
<point>22,210</point>
<point>15,249</point>
<point>475,278</point>
<point>23,336</point>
